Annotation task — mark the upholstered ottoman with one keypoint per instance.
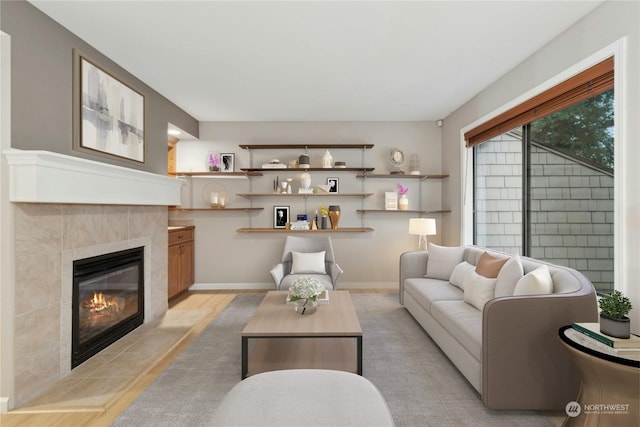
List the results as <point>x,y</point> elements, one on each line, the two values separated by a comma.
<point>303,397</point>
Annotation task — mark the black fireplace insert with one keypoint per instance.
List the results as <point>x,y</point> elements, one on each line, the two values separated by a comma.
<point>108,301</point>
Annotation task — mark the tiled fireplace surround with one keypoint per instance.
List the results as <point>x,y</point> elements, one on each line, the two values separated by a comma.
<point>49,236</point>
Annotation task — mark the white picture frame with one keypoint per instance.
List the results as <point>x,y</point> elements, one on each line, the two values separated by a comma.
<point>390,201</point>
<point>227,162</point>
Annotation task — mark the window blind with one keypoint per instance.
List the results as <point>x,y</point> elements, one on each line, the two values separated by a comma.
<point>589,83</point>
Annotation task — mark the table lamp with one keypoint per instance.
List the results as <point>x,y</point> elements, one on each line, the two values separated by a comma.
<point>422,227</point>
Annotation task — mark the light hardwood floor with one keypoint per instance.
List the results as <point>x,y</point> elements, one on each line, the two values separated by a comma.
<point>97,416</point>
<point>90,416</point>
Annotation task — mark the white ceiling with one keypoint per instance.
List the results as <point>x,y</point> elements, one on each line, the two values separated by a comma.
<point>317,61</point>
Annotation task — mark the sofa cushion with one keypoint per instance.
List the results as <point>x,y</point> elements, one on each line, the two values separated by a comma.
<point>426,291</point>
<point>478,289</point>
<point>459,273</point>
<point>535,282</point>
<point>442,260</point>
<point>489,266</point>
<point>509,275</point>
<point>463,322</point>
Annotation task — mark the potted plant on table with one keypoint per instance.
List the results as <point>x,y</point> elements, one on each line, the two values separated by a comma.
<point>614,308</point>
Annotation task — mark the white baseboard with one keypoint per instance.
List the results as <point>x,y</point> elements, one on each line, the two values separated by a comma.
<point>231,286</point>
<point>270,286</point>
<point>4,405</point>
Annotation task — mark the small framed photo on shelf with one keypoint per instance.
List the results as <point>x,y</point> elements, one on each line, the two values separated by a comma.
<point>227,162</point>
<point>280,216</point>
<point>333,184</point>
<point>391,201</point>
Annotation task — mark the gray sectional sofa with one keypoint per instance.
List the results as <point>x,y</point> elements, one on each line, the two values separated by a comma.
<point>505,345</point>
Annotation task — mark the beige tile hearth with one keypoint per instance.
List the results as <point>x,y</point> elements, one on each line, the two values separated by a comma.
<point>100,381</point>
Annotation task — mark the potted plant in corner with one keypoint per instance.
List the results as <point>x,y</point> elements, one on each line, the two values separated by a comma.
<point>614,308</point>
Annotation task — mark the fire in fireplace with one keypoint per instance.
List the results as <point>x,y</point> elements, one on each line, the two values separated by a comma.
<point>108,300</point>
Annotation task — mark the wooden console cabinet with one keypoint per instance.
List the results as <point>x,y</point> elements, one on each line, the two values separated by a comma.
<point>181,272</point>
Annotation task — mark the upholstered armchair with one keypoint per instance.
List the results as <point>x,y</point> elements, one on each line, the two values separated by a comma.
<point>307,256</point>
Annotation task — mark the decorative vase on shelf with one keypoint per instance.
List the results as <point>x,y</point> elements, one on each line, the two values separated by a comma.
<point>213,161</point>
<point>403,203</point>
<point>326,160</point>
<point>334,216</point>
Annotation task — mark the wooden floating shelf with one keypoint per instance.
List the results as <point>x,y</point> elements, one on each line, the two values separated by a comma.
<point>439,176</point>
<point>304,146</point>
<point>218,174</point>
<point>282,230</point>
<point>248,209</point>
<point>257,170</point>
<point>403,211</point>
<point>249,195</point>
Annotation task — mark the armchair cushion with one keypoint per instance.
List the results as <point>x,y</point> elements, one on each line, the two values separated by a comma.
<point>312,263</point>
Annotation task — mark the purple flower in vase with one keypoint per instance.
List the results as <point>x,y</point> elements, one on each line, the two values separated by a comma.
<point>214,162</point>
<point>402,190</point>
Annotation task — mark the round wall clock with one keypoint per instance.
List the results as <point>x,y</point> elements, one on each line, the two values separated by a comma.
<point>396,158</point>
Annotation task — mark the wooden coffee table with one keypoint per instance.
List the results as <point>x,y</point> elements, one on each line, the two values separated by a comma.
<point>278,338</point>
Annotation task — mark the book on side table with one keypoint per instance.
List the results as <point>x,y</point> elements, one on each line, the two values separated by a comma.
<point>592,330</point>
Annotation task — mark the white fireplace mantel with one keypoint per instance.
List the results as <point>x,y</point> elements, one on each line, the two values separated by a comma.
<point>45,177</point>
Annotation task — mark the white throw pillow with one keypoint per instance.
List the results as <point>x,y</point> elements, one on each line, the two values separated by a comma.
<point>478,289</point>
<point>536,282</point>
<point>459,273</point>
<point>509,275</point>
<point>442,260</point>
<point>312,262</point>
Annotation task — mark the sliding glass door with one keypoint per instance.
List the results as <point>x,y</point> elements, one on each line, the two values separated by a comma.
<point>545,189</point>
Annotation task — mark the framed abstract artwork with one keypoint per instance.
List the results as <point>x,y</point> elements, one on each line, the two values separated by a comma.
<point>228,161</point>
<point>109,115</point>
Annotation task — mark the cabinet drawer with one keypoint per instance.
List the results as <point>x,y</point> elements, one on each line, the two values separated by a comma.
<point>180,236</point>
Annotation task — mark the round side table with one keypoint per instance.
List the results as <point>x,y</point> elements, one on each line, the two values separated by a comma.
<point>610,391</point>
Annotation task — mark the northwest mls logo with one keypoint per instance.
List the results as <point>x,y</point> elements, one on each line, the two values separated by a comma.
<point>573,409</point>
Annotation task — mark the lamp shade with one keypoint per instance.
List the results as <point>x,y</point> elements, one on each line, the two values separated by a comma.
<point>422,226</point>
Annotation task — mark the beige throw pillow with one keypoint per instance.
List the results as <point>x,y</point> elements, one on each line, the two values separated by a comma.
<point>489,266</point>
<point>311,263</point>
<point>442,260</point>
<point>536,282</point>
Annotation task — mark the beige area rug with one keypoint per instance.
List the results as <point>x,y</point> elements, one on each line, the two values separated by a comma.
<point>101,380</point>
<point>419,383</point>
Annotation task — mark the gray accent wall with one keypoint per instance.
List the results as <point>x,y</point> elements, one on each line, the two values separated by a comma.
<point>42,86</point>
